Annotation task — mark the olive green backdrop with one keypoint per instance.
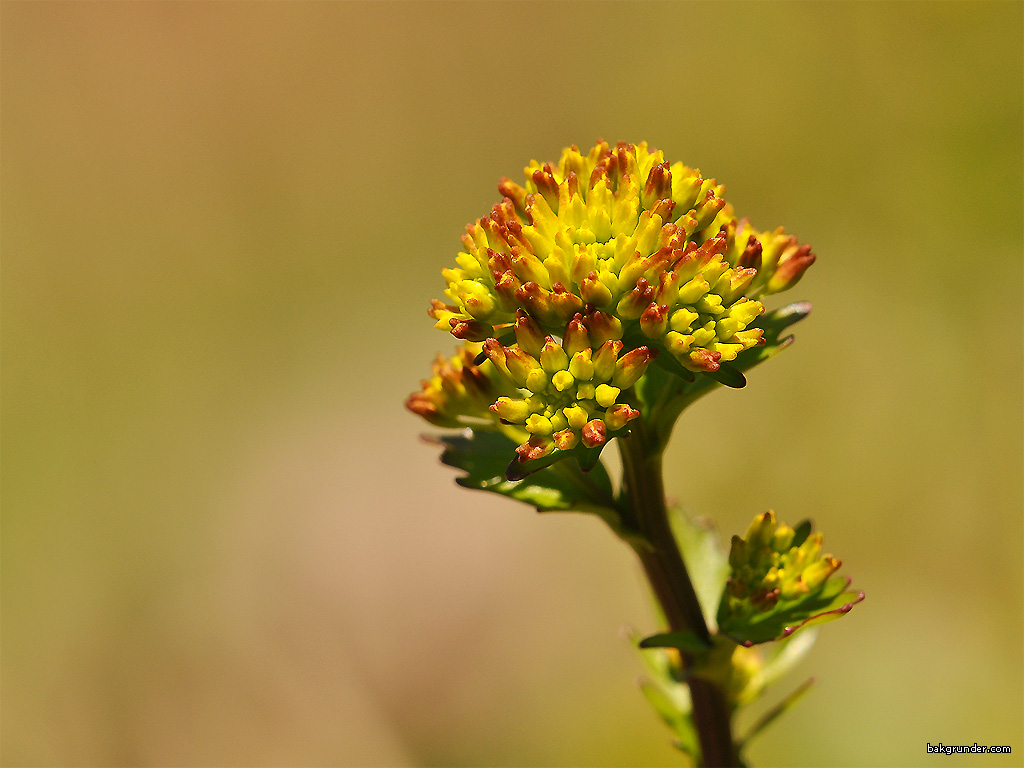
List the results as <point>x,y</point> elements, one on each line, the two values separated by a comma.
<point>223,542</point>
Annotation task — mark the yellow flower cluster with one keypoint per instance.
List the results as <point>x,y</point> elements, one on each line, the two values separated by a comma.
<point>460,393</point>
<point>770,566</point>
<point>578,279</point>
<point>621,232</point>
<point>568,391</point>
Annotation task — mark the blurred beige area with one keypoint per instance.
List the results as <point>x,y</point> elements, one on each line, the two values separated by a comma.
<point>223,542</point>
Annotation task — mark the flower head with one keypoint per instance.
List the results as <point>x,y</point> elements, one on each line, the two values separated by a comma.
<point>581,277</point>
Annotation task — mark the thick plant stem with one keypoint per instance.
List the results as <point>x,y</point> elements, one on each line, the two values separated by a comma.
<point>643,488</point>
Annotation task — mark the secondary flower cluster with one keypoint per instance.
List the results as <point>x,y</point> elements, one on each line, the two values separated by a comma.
<point>780,581</point>
<point>578,279</point>
<point>770,565</point>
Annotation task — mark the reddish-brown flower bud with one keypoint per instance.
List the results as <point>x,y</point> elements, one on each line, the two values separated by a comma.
<point>594,433</point>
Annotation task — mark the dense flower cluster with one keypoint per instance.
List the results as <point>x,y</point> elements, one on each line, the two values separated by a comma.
<point>770,564</point>
<point>620,255</point>
<point>780,582</point>
<point>568,391</point>
<point>622,232</point>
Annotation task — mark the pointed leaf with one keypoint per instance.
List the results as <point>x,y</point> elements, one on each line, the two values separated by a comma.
<point>706,560</point>
<point>682,640</point>
<point>775,712</point>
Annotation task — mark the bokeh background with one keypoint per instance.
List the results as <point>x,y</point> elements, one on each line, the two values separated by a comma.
<point>223,542</point>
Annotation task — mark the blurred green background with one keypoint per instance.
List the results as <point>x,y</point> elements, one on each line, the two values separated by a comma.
<point>223,543</point>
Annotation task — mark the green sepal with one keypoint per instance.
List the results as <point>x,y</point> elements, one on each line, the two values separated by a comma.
<point>801,532</point>
<point>787,616</point>
<point>483,457</point>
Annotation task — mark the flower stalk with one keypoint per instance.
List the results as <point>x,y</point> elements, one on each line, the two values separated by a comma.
<point>644,493</point>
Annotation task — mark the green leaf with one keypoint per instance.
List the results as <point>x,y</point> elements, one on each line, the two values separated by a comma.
<point>729,376</point>
<point>775,712</point>
<point>682,640</point>
<point>669,698</point>
<point>787,616</point>
<point>667,388</point>
<point>706,560</point>
<point>563,487</point>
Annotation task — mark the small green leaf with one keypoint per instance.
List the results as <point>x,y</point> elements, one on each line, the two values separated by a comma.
<point>773,323</point>
<point>787,616</point>
<point>729,376</point>
<point>563,487</point>
<point>775,712</point>
<point>705,558</point>
<point>778,320</point>
<point>684,641</point>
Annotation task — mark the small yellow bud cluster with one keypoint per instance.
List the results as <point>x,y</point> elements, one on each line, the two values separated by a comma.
<point>460,392</point>
<point>568,391</point>
<point>771,566</point>
<point>624,238</point>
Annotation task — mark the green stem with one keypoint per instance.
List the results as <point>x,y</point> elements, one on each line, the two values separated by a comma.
<point>643,489</point>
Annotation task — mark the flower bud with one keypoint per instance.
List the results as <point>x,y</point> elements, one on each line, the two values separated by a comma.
<point>631,367</point>
<point>778,583</point>
<point>553,357</point>
<point>594,433</point>
<point>654,320</point>
<point>576,338</point>
<point>605,358</point>
<point>606,395</point>
<point>619,415</point>
<point>529,335</point>
<point>581,366</point>
<point>602,327</point>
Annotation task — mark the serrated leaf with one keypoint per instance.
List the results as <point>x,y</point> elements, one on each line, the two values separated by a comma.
<point>484,456</point>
